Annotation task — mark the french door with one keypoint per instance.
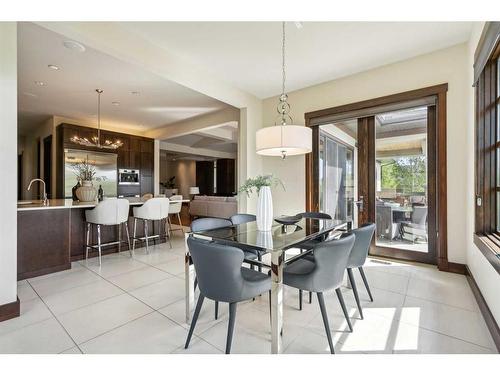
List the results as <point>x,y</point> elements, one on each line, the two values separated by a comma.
<point>384,161</point>
<point>397,182</point>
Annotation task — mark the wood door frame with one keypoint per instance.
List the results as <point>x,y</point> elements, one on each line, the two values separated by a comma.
<point>439,91</point>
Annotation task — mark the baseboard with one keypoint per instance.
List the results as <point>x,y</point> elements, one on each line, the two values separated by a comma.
<point>10,310</point>
<point>445,266</point>
<point>485,310</point>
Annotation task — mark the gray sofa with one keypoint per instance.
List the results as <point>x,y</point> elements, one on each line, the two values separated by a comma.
<point>209,206</point>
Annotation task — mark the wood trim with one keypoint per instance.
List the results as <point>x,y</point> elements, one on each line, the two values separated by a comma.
<point>10,310</point>
<point>441,181</point>
<point>366,162</point>
<point>489,250</point>
<point>485,310</point>
<point>486,47</point>
<point>389,99</point>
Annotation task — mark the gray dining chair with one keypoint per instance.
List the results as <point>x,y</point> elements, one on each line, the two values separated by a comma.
<point>357,259</point>
<point>309,244</point>
<point>243,219</point>
<point>325,271</point>
<point>232,283</point>
<point>210,223</point>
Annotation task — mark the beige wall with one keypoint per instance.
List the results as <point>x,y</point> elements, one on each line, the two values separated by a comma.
<point>8,162</point>
<point>444,66</point>
<point>184,172</point>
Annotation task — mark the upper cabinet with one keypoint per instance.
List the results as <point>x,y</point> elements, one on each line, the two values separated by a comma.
<point>135,153</point>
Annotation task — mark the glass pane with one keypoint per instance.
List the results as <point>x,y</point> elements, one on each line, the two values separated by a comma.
<point>336,180</point>
<point>401,179</point>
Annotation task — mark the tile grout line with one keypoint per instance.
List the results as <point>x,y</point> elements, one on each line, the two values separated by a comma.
<point>55,317</point>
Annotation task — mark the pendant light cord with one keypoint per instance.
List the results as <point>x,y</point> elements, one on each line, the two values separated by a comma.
<point>283,58</point>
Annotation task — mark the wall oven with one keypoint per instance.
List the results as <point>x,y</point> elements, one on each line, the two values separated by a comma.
<point>128,177</point>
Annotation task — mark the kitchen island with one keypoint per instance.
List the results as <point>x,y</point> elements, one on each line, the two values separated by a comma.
<point>50,237</point>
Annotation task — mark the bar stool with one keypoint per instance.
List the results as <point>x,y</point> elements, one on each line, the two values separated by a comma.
<point>175,209</point>
<point>153,209</point>
<point>107,212</point>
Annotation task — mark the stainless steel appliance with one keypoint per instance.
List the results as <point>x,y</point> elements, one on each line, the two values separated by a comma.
<point>105,164</point>
<point>128,177</point>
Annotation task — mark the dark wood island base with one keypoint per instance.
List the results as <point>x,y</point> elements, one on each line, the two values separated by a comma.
<point>50,238</point>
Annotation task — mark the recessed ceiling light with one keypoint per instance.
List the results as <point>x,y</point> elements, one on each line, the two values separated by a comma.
<point>115,103</point>
<point>39,83</point>
<point>53,67</point>
<point>30,94</point>
<point>135,92</point>
<point>75,46</point>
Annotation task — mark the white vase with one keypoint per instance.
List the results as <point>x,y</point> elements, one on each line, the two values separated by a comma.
<point>86,192</point>
<point>265,209</point>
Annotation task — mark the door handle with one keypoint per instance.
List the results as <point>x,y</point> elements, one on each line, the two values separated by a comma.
<point>360,203</point>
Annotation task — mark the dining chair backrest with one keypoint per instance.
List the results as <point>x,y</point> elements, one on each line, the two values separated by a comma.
<point>364,235</point>
<point>315,215</point>
<point>330,258</point>
<point>208,223</point>
<point>109,212</point>
<point>218,269</point>
<point>175,207</point>
<point>242,218</point>
<point>153,209</point>
<point>419,215</point>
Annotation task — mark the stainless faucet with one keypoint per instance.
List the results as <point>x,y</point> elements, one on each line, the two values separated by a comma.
<point>44,196</point>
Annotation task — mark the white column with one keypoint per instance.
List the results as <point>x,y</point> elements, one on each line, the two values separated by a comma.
<point>8,162</point>
<point>156,174</point>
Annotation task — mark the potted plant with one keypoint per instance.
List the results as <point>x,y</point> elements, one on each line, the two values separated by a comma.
<point>85,172</point>
<point>262,184</point>
<point>169,186</point>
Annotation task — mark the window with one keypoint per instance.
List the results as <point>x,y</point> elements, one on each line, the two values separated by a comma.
<point>487,92</point>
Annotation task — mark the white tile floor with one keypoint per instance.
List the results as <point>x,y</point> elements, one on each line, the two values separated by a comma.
<point>136,306</point>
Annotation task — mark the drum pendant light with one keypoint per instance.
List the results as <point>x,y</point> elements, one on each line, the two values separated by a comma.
<point>284,139</point>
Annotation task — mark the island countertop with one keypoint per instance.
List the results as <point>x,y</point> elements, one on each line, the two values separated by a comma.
<point>68,203</point>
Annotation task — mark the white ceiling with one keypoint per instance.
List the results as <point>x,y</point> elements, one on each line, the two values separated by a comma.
<point>248,54</point>
<point>210,140</point>
<point>70,91</point>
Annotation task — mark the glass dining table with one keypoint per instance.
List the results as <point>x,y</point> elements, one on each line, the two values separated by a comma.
<point>275,242</point>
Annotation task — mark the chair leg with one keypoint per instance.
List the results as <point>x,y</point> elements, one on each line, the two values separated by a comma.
<point>99,242</point>
<point>310,297</point>
<point>300,299</point>
<point>230,326</point>
<point>195,318</point>
<point>167,234</point>
<point>135,234</point>
<point>125,224</point>
<point>119,238</point>
<point>363,276</point>
<point>195,283</point>
<point>344,309</point>
<point>146,235</point>
<point>322,307</point>
<point>355,291</point>
<point>216,310</point>
<point>88,242</point>
<point>180,222</point>
<point>324,315</point>
<point>259,258</point>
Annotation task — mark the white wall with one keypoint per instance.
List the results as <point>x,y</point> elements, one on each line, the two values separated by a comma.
<point>8,161</point>
<point>485,275</point>
<point>450,66</point>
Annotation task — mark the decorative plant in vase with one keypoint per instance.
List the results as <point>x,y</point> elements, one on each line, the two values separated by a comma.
<point>262,184</point>
<point>169,186</point>
<point>85,172</point>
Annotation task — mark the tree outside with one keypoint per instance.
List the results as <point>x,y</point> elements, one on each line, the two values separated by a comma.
<point>408,175</point>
